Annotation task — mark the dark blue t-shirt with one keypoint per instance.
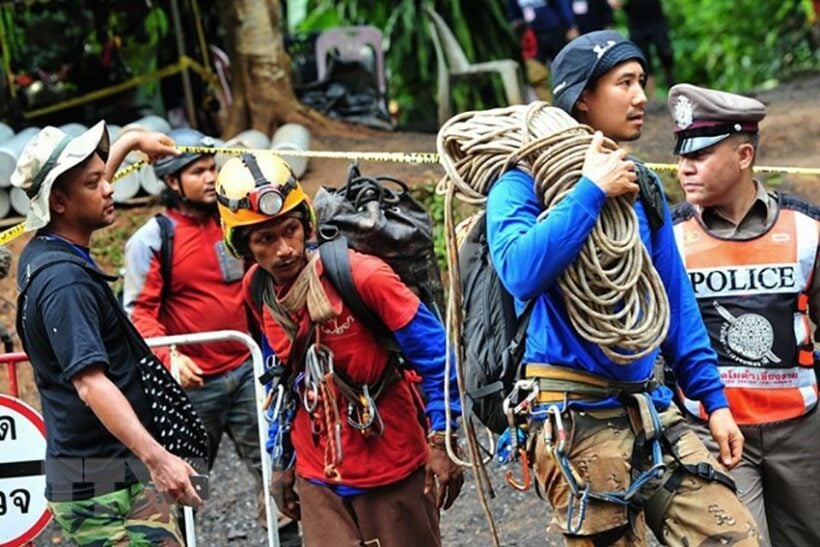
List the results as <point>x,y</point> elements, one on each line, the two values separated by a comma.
<point>69,324</point>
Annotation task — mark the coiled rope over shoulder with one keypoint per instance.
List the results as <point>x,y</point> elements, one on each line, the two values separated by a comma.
<point>613,294</point>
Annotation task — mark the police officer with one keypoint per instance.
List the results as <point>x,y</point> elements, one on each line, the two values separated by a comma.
<point>751,256</point>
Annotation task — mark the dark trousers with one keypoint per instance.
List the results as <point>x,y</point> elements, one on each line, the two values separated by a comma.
<point>399,514</point>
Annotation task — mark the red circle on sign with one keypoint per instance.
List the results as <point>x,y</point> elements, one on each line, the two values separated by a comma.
<point>31,415</point>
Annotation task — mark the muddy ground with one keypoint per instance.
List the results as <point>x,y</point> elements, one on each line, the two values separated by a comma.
<point>790,136</point>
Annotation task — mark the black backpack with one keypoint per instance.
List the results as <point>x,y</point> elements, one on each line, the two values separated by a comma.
<point>492,336</point>
<point>166,250</point>
<point>378,216</point>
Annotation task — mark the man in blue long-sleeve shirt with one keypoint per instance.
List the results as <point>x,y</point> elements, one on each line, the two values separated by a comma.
<point>598,78</point>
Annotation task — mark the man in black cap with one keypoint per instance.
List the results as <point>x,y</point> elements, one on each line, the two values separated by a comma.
<point>752,262</point>
<point>688,500</point>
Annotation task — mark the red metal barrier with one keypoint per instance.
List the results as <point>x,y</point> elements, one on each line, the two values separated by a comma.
<point>11,360</point>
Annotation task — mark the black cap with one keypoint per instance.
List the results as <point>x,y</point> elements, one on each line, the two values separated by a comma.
<point>585,59</point>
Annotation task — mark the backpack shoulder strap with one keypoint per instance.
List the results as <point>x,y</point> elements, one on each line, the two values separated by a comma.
<point>651,194</point>
<point>336,264</point>
<point>789,201</point>
<point>45,261</point>
<point>39,264</point>
<point>682,212</point>
<point>257,289</point>
<point>166,250</point>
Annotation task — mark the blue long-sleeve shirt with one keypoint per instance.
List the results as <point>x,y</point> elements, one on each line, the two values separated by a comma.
<point>530,256</point>
<point>422,342</point>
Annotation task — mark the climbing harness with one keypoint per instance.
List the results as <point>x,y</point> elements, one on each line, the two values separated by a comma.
<point>552,392</point>
<point>322,389</point>
<point>362,413</point>
<point>582,492</point>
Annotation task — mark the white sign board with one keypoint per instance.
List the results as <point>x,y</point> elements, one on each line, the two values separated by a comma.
<point>23,509</point>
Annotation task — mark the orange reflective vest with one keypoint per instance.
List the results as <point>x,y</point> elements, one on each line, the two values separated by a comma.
<point>753,296</point>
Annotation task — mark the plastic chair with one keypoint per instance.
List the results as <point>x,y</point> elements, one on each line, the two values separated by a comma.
<point>222,65</point>
<point>352,44</point>
<point>453,64</point>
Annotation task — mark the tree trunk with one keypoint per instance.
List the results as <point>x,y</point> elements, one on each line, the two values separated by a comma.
<point>260,71</point>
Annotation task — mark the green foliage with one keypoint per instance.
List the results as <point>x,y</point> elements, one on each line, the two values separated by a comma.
<point>740,45</point>
<point>411,58</point>
<point>31,35</point>
<point>108,246</point>
<point>434,203</point>
<point>735,45</point>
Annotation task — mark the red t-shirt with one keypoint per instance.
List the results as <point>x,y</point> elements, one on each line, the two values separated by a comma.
<point>402,448</point>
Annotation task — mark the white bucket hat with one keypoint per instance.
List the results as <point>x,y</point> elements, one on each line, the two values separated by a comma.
<point>50,154</point>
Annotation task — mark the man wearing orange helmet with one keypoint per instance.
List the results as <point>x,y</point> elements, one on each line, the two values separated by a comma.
<point>361,460</point>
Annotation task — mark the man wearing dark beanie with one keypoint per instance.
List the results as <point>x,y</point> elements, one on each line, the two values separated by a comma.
<point>611,453</point>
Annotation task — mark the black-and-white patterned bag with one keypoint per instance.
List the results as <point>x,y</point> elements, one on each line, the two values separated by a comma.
<point>177,425</point>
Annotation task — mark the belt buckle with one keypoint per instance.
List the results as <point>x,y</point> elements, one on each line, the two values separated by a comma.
<point>706,471</point>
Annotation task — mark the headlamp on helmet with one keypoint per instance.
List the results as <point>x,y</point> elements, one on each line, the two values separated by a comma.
<point>266,198</point>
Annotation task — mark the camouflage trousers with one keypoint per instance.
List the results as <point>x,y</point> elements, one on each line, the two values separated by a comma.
<point>701,512</point>
<point>137,515</point>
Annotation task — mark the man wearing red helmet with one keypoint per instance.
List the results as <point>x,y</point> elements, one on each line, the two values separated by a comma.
<point>351,459</point>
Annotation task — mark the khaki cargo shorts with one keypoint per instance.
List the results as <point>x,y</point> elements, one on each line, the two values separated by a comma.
<point>702,512</point>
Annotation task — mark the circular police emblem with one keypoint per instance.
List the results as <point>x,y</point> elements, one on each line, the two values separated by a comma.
<point>684,114</point>
<point>748,338</point>
<point>751,336</point>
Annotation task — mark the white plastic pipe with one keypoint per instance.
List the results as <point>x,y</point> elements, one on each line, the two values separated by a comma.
<point>5,202</point>
<point>10,151</point>
<point>292,136</point>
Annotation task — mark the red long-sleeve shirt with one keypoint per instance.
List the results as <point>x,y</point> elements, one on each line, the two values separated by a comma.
<point>205,292</point>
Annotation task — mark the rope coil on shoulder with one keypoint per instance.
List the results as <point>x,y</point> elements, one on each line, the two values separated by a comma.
<point>613,294</point>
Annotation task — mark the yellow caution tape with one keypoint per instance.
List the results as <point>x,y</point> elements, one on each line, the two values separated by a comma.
<point>12,233</point>
<point>383,157</point>
<point>431,158</point>
<point>769,169</point>
<point>184,63</point>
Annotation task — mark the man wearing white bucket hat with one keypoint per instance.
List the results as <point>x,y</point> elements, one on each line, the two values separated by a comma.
<point>105,472</point>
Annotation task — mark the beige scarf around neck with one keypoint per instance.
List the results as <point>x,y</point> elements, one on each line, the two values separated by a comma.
<point>306,291</point>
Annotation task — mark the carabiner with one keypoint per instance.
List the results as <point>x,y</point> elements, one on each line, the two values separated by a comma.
<point>532,387</point>
<point>559,430</point>
<point>368,411</point>
<point>275,398</point>
<point>525,473</point>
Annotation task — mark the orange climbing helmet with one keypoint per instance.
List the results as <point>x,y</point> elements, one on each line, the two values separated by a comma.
<point>254,189</point>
